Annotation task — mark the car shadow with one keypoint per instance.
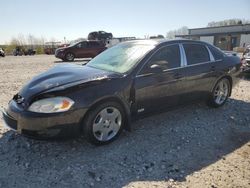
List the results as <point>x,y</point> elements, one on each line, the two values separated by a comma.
<point>166,146</point>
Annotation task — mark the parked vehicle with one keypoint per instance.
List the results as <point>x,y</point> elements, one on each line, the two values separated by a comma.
<point>18,51</point>
<point>83,49</point>
<point>121,84</point>
<point>50,47</point>
<point>157,37</point>
<point>29,51</point>
<point>100,35</point>
<point>246,60</point>
<point>2,53</point>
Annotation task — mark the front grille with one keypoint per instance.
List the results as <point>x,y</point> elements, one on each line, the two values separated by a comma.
<point>11,122</point>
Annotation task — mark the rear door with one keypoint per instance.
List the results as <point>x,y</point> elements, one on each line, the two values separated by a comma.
<point>200,70</point>
<point>159,84</point>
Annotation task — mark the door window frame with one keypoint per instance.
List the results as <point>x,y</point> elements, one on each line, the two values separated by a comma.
<point>140,74</point>
<point>211,57</point>
<point>183,58</point>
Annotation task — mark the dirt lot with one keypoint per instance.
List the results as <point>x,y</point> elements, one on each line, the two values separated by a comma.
<point>194,146</point>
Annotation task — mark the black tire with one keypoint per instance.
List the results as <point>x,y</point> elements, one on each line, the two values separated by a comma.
<point>88,123</point>
<point>69,56</point>
<point>214,96</point>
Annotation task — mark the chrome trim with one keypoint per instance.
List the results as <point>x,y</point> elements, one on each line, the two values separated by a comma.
<point>183,54</point>
<point>183,59</point>
<point>165,70</point>
<point>142,75</point>
<point>210,54</point>
<point>199,64</point>
<point>148,74</point>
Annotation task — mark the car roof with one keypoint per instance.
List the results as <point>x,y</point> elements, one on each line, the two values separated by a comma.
<point>160,42</point>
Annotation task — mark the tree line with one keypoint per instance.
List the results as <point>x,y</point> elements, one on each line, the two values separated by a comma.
<point>28,42</point>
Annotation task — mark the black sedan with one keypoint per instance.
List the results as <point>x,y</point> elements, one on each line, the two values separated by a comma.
<point>125,82</point>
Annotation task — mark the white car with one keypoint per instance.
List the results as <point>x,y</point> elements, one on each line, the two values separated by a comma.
<point>246,60</point>
<point>2,52</point>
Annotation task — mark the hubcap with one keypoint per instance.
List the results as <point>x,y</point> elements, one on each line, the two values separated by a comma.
<point>221,92</point>
<point>107,124</point>
<point>70,57</point>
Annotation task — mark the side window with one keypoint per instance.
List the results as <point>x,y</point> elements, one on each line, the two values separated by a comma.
<point>81,45</point>
<point>84,44</point>
<point>93,44</point>
<point>166,58</point>
<point>78,45</point>
<point>216,53</point>
<point>196,53</point>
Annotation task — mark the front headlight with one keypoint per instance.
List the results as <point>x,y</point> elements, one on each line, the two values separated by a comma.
<point>51,105</point>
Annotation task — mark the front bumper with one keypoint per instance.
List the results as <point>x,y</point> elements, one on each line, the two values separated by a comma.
<point>59,55</point>
<point>42,125</point>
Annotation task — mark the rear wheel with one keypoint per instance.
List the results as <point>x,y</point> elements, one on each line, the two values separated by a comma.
<point>104,124</point>
<point>220,93</point>
<point>69,57</point>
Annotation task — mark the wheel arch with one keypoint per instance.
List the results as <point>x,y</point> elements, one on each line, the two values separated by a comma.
<point>120,101</point>
<point>229,78</point>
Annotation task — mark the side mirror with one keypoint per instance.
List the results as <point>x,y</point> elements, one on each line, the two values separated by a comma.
<point>156,68</point>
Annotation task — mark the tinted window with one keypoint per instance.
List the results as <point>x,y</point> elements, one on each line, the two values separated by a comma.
<point>168,57</point>
<point>196,53</point>
<point>216,53</point>
<point>81,45</point>
<point>93,44</point>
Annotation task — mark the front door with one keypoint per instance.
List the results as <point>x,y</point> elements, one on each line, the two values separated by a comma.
<point>160,82</point>
<point>80,50</point>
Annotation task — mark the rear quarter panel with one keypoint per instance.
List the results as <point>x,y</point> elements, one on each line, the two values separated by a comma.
<point>229,66</point>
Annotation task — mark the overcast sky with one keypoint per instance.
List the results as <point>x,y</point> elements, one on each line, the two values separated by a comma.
<point>76,18</point>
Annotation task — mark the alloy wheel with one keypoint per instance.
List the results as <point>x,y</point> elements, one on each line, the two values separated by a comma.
<point>221,92</point>
<point>70,57</point>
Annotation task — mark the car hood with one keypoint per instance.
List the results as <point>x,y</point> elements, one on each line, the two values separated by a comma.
<point>61,48</point>
<point>61,75</point>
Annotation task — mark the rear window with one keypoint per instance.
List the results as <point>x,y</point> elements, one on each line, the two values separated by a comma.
<point>196,53</point>
<point>216,53</point>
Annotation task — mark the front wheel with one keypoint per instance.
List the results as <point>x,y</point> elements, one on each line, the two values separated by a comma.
<point>104,124</point>
<point>220,93</point>
<point>69,57</point>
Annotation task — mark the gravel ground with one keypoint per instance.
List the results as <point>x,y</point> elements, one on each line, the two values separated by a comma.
<point>193,146</point>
